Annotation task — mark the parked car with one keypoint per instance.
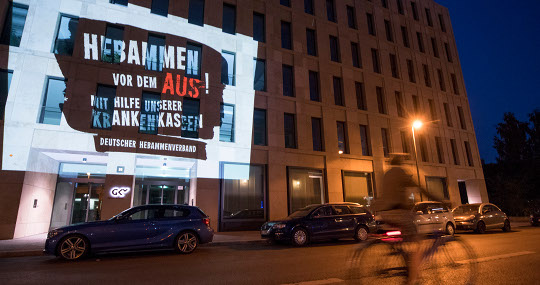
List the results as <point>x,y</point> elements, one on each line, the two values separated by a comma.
<point>144,227</point>
<point>317,222</point>
<point>480,217</point>
<point>535,218</point>
<point>434,217</point>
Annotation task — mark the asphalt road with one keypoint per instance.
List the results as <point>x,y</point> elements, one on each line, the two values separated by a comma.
<point>504,258</point>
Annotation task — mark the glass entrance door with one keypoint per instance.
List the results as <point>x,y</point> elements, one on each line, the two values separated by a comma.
<point>87,202</point>
<point>158,193</point>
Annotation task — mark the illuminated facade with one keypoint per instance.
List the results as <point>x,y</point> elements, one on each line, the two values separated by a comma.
<point>234,107</point>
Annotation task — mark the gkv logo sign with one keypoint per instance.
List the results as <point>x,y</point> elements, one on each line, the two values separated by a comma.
<point>119,192</point>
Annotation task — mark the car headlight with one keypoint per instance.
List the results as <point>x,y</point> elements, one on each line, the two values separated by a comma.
<point>470,218</point>
<point>279,226</point>
<point>54,233</point>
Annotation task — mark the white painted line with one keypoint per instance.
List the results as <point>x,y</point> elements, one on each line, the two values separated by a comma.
<point>495,257</point>
<point>318,282</point>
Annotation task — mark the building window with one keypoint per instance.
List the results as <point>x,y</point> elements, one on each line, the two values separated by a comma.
<point>356,58</point>
<point>306,187</point>
<point>435,47</point>
<point>454,151</point>
<point>286,42</point>
<point>381,103</point>
<point>400,6</point>
<point>311,42</point>
<point>119,2</point>
<point>229,19</point>
<point>259,127</point>
<point>314,93</point>
<point>196,12</point>
<point>317,134</point>
<point>194,60</point>
<point>226,130</point>
<point>65,37</point>
<point>364,140</point>
<point>423,148</point>
<point>420,42</point>
<point>331,10</point>
<point>259,81</point>
<point>405,142</point>
<point>454,84</point>
<point>149,118</point>
<point>357,187</point>
<point>410,70</point>
<point>414,9</point>
<point>360,96</point>
<point>442,84</point>
<point>51,112</point>
<point>259,28</point>
<point>286,3</point>
<point>308,6</point>
<point>334,49</point>
<point>427,78</point>
<point>288,81</point>
<point>154,58</point>
<point>14,24</point>
<point>432,111</point>
<point>394,66</point>
<point>405,36</point>
<point>290,130</point>
<point>113,44</point>
<point>428,17</point>
<point>103,111</point>
<point>437,187</point>
<point>416,104</point>
<point>351,17</point>
<point>190,118</point>
<point>384,3</point>
<point>388,29</point>
<point>385,142</point>
<point>228,66</point>
<point>160,7</point>
<point>338,92</point>
<point>400,105</point>
<point>5,83</point>
<point>440,153</point>
<point>375,60</point>
<point>343,146</point>
<point>370,24</point>
<point>441,22</point>
<point>448,52</point>
<point>469,153</point>
<point>461,118</point>
<point>448,115</point>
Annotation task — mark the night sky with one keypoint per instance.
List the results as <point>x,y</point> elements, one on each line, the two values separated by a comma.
<point>499,50</point>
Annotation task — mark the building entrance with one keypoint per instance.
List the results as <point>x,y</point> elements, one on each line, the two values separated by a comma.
<point>161,192</point>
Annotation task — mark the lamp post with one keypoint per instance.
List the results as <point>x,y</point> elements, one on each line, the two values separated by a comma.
<point>416,125</point>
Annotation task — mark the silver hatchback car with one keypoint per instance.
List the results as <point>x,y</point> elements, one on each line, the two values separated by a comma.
<point>481,217</point>
<point>432,217</point>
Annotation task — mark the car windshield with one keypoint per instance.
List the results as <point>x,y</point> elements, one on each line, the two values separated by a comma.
<point>466,209</point>
<point>302,212</point>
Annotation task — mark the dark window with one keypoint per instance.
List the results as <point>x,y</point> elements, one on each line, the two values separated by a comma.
<point>385,142</point>
<point>405,36</point>
<point>196,12</point>
<point>228,66</point>
<point>410,70</point>
<point>342,137</point>
<point>416,104</point>
<point>356,58</point>
<point>435,47</point>
<point>400,105</point>
<point>259,127</point>
<point>394,66</point>
<point>226,130</point>
<point>113,44</point>
<point>229,19</point>
<point>414,11</point>
<point>448,52</point>
<point>442,84</point>
<point>364,140</point>
<point>334,49</point>
<point>190,118</point>
<point>285,3</point>
<point>404,142</point>
<point>308,6</point>
<point>149,118</point>
<point>338,92</point>
<point>420,42</point>
<point>441,22</point>
<point>51,112</point>
<point>331,10</point>
<point>469,153</point>
<point>317,134</point>
<point>102,114</point>
<point>428,17</point>
<point>259,28</point>
<point>370,24</point>
<point>311,42</point>
<point>259,82</point>
<point>440,152</point>
<point>360,96</point>
<point>290,130</point>
<point>351,17</point>
<point>160,7</point>
<point>119,2</point>
<point>423,148</point>
<point>454,84</point>
<point>288,81</point>
<point>154,58</point>
<point>381,103</point>
<point>400,6</point>
<point>314,93</point>
<point>5,82</point>
<point>65,37</point>
<point>432,112</point>
<point>194,60</point>
<point>342,210</point>
<point>454,151</point>
<point>384,3</point>
<point>286,41</point>
<point>388,29</point>
<point>375,60</point>
<point>448,115</point>
<point>427,78</point>
<point>461,118</point>
<point>14,24</point>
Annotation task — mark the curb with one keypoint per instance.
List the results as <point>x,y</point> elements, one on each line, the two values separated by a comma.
<point>21,253</point>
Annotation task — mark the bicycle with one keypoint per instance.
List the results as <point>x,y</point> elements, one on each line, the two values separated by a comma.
<point>384,260</point>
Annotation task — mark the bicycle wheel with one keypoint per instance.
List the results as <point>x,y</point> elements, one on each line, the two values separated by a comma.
<point>378,263</point>
<point>455,263</point>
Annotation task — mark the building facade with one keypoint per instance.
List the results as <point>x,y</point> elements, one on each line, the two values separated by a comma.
<point>247,109</point>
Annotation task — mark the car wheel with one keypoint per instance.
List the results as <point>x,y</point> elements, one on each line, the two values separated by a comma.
<point>300,237</point>
<point>186,242</point>
<point>506,227</point>
<point>450,230</point>
<point>361,233</point>
<point>73,247</point>
<point>481,227</point>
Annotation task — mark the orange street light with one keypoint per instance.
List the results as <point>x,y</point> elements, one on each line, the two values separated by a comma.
<point>417,124</point>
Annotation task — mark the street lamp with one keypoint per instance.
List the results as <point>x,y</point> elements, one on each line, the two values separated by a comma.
<point>416,125</point>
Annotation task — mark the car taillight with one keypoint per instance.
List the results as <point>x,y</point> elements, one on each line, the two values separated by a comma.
<point>393,233</point>
<point>206,221</point>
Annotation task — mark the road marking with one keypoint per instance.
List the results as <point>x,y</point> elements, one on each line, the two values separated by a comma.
<point>318,282</point>
<point>495,257</point>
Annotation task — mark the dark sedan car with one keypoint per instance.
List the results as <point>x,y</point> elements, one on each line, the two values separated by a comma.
<point>327,221</point>
<point>144,227</point>
<point>535,218</point>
